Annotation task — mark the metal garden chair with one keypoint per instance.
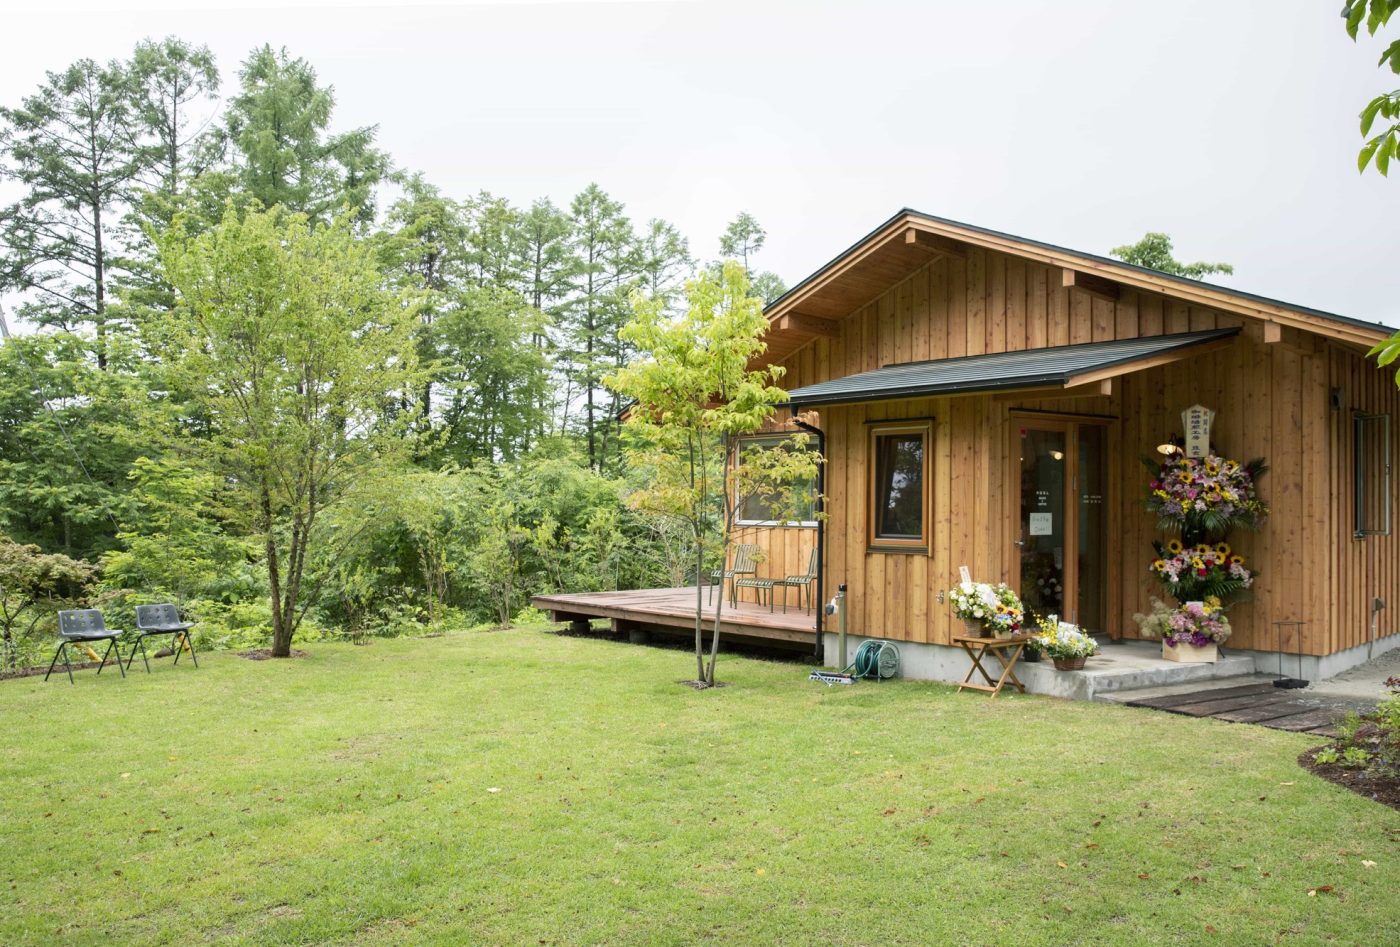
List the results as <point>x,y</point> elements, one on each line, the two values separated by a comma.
<point>803,583</point>
<point>82,626</point>
<point>745,563</point>
<point>152,620</point>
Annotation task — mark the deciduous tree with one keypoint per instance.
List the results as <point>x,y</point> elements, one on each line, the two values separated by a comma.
<point>694,391</point>
<point>285,335</point>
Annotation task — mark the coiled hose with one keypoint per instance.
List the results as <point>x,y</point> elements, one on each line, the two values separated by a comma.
<point>877,659</point>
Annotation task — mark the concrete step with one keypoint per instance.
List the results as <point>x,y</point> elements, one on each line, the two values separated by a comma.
<point>1184,687</point>
<point>1129,666</point>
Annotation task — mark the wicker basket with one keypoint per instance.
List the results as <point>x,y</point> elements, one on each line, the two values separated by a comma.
<point>1069,664</point>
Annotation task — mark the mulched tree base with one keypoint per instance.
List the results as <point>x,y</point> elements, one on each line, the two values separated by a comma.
<point>1380,787</point>
<point>701,685</point>
<point>265,654</point>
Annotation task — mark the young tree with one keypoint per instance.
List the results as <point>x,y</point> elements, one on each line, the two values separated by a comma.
<point>1154,251</point>
<point>69,147</point>
<point>695,391</point>
<point>287,339</point>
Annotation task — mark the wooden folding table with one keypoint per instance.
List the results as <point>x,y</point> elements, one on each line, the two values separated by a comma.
<point>979,648</point>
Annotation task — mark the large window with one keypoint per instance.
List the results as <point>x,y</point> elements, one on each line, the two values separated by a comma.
<point>1371,469</point>
<point>759,509</point>
<point>899,487</point>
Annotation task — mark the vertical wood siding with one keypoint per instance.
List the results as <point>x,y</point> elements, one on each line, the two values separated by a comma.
<point>1272,401</point>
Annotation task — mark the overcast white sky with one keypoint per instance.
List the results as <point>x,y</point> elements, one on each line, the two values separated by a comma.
<point>1230,124</point>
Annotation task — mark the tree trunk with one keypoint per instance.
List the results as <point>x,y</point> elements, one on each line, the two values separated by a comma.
<point>281,628</point>
<point>700,606</point>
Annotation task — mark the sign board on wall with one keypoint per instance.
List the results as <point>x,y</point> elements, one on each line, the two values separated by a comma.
<point>1042,524</point>
<point>1196,421</point>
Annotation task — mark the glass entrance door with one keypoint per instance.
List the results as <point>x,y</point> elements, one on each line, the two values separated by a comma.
<point>1042,537</point>
<point>1062,542</point>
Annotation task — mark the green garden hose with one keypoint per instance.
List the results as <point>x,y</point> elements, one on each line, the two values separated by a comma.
<point>877,659</point>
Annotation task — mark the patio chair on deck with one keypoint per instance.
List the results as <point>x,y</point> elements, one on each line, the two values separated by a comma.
<point>84,626</point>
<point>745,563</point>
<point>803,583</point>
<point>164,619</point>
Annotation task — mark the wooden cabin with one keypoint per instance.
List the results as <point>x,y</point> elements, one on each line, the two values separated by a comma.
<point>987,401</point>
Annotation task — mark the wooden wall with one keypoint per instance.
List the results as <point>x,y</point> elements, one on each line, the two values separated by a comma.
<point>1271,398</point>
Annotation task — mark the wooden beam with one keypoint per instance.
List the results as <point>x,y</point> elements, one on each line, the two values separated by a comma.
<point>1096,389</point>
<point>1273,332</point>
<point>808,325</point>
<point>1091,284</point>
<point>1165,358</point>
<point>934,243</point>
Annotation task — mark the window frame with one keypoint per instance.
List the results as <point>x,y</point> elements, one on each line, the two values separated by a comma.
<point>1363,519</point>
<point>770,439</point>
<point>885,544</point>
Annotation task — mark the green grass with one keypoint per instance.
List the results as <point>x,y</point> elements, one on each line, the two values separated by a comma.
<point>347,797</point>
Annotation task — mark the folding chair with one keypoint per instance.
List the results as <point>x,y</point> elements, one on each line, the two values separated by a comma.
<point>83,625</point>
<point>164,619</point>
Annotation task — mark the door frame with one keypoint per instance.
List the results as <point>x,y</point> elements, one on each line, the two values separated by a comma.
<point>1070,425</point>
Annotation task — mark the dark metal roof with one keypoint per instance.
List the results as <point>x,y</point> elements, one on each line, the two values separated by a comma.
<point>1027,368</point>
<point>1094,257</point>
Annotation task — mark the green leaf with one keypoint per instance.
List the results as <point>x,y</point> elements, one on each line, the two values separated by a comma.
<point>1364,157</point>
<point>1354,11</point>
<point>1384,152</point>
<point>1368,114</point>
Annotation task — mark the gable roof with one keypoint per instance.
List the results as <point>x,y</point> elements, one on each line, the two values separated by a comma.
<point>909,239</point>
<point>1062,366</point>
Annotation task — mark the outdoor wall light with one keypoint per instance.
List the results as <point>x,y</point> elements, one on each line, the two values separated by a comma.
<point>1057,454</point>
<point>1166,450</point>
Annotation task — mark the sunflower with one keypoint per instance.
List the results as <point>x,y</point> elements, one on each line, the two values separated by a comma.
<point>1237,560</point>
<point>1198,563</point>
<point>1202,549</point>
<point>1159,565</point>
<point>1174,547</point>
<point>1222,548</point>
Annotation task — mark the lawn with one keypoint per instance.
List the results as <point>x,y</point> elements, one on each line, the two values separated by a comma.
<point>520,787</point>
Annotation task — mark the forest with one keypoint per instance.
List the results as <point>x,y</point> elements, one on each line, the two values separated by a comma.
<point>253,367</point>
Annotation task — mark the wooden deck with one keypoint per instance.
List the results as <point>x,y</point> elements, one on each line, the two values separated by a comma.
<point>669,609</point>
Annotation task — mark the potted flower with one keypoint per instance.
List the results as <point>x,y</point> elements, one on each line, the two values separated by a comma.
<point>1190,632</point>
<point>987,609</point>
<point>1067,645</point>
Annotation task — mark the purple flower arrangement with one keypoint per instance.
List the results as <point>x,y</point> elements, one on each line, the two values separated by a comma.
<point>1205,495</point>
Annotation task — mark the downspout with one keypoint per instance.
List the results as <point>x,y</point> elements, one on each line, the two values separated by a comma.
<point>820,601</point>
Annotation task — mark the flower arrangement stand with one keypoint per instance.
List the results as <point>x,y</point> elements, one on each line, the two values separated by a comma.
<point>978,648</point>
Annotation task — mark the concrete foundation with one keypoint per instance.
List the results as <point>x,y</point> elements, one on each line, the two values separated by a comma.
<point>1130,665</point>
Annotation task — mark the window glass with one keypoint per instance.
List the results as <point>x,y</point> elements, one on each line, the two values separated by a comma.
<point>758,508</point>
<point>1371,468</point>
<point>899,486</point>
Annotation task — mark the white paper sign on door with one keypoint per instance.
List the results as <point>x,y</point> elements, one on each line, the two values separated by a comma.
<point>1042,524</point>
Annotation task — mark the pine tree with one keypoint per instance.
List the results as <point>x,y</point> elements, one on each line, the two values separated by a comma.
<point>275,134</point>
<point>69,147</point>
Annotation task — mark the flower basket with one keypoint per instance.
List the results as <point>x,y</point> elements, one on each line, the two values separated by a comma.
<point>1067,645</point>
<point>1189,653</point>
<point>986,609</point>
<point>1189,632</point>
